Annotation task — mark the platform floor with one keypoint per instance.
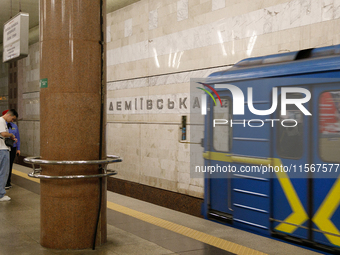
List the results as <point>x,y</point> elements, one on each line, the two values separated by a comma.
<point>134,227</point>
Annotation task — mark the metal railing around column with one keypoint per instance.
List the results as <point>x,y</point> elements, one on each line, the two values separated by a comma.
<point>102,164</point>
<point>34,161</point>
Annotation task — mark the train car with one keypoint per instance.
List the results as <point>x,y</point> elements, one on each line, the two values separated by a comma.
<point>281,155</point>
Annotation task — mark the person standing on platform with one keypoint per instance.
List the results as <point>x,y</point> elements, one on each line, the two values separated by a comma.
<point>9,117</point>
<point>15,150</point>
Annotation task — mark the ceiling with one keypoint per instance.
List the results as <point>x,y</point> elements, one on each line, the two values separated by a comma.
<point>9,8</point>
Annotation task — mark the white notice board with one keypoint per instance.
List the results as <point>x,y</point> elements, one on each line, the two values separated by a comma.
<point>15,40</point>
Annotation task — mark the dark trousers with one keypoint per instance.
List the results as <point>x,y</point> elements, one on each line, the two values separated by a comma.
<point>12,154</point>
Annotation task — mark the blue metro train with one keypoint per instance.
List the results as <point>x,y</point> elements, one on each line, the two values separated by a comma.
<point>281,175</point>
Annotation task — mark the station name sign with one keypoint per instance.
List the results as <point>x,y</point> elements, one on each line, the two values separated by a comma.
<point>15,39</point>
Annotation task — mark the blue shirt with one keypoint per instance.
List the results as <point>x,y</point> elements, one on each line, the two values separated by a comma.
<point>13,129</point>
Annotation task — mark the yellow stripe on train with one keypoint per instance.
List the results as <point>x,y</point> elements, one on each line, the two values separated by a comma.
<point>322,217</point>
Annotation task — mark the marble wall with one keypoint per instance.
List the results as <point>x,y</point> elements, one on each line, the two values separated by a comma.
<point>145,131</point>
<point>155,47</point>
<point>29,102</point>
<point>3,86</point>
<point>30,85</point>
<point>173,36</point>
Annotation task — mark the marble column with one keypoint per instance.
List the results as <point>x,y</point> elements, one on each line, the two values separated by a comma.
<point>71,103</point>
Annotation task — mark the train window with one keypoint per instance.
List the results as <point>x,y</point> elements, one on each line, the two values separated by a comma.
<point>222,133</point>
<point>290,139</point>
<point>329,126</point>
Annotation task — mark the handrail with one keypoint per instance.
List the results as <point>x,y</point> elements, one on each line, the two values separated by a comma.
<point>38,161</point>
<point>104,162</point>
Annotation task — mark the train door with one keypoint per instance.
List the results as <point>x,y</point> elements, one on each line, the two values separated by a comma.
<point>238,195</point>
<point>218,145</point>
<point>290,187</point>
<point>325,165</point>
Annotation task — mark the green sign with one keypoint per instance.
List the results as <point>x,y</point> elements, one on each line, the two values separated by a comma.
<point>43,83</point>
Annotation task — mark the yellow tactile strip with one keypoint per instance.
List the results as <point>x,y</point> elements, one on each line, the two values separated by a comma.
<point>24,175</point>
<point>197,235</point>
<point>194,234</point>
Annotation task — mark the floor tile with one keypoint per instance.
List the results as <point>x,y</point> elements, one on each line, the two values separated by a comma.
<point>136,226</point>
<point>143,248</point>
<point>210,250</point>
<point>119,237</point>
<point>116,217</point>
<point>154,235</point>
<point>181,244</point>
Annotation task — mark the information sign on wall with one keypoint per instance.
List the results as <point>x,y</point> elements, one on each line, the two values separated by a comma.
<point>43,83</point>
<point>15,40</point>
